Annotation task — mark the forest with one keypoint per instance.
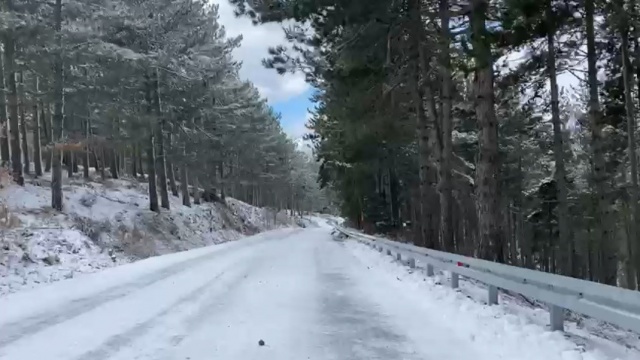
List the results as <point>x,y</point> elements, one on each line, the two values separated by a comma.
<point>145,89</point>
<point>501,129</point>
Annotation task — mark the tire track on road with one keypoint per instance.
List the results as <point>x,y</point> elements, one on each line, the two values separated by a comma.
<point>30,325</point>
<point>21,328</point>
<point>117,342</point>
<point>190,324</point>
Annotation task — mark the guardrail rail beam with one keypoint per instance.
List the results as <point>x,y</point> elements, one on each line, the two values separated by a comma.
<point>612,304</point>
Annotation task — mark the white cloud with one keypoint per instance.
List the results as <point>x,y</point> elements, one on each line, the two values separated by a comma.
<point>296,129</point>
<point>256,41</point>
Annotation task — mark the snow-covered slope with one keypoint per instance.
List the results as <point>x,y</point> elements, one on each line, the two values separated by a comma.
<point>105,224</point>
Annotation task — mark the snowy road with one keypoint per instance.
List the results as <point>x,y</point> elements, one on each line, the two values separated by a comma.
<point>300,291</point>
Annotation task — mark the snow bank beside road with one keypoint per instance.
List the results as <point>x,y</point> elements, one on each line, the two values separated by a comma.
<point>106,224</point>
<point>510,330</point>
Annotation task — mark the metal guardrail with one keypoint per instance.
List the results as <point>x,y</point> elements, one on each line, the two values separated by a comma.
<point>603,302</point>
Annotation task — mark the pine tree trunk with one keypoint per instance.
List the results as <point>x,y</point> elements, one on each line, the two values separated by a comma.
<point>222,181</point>
<point>151,171</point>
<point>127,158</point>
<point>393,194</point>
<point>512,239</point>
<point>171,173</point>
<point>565,238</point>
<point>113,163</point>
<point>86,163</point>
<point>100,163</point>
<point>70,161</point>
<point>151,151</point>
<point>46,122</point>
<point>161,159</point>
<point>74,163</point>
<point>184,185</point>
<point>253,197</point>
<point>608,273</point>
<point>422,125</point>
<point>24,145</point>
<point>122,161</point>
<point>5,156</point>
<point>488,196</point>
<point>631,150</point>
<point>37,151</point>
<point>636,245</point>
<point>522,243</point>
<point>93,160</point>
<point>58,113</point>
<point>196,190</point>
<point>12,97</point>
<point>140,164</point>
<point>113,152</point>
<point>445,186</point>
<point>170,168</point>
<point>134,161</point>
<point>133,172</point>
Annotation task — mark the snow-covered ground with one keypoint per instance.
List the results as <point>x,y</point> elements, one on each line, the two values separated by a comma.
<point>516,329</point>
<point>106,223</point>
<point>324,220</point>
<point>298,292</point>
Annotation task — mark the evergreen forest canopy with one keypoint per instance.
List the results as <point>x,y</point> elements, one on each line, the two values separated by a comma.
<point>423,132</point>
<point>141,88</point>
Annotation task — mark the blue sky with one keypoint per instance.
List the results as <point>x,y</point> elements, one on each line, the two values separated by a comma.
<point>294,113</point>
<point>288,94</point>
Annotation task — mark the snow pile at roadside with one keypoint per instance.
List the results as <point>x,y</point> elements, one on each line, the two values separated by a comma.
<point>318,220</point>
<point>36,256</point>
<point>332,220</point>
<point>258,218</point>
<point>507,329</point>
<point>105,224</point>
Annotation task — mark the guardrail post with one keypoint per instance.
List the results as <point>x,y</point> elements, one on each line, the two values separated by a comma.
<point>388,251</point>
<point>556,316</point>
<point>454,280</point>
<point>399,257</point>
<point>379,248</point>
<point>412,263</point>
<point>493,295</point>
<point>429,269</point>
